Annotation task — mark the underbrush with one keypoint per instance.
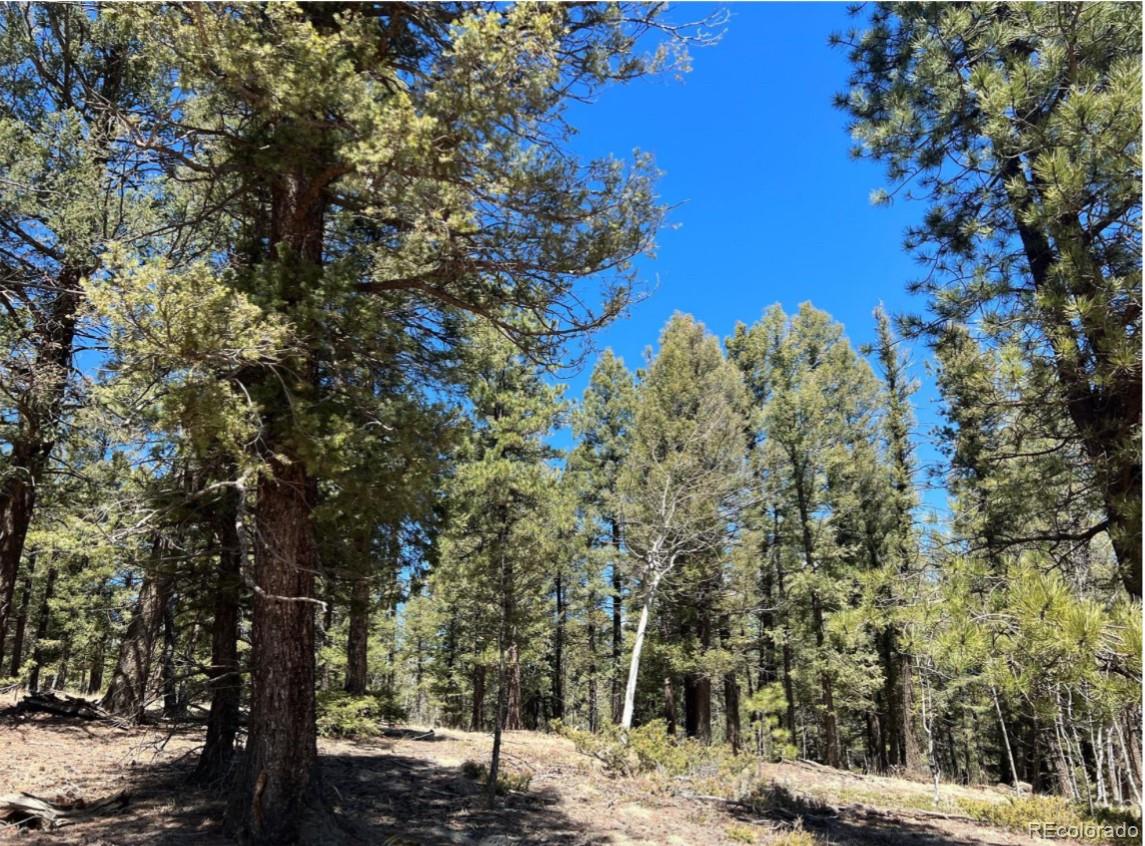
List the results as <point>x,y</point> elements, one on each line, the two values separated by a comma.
<point>666,762</point>
<point>508,781</point>
<point>1055,814</point>
<point>342,715</point>
<point>651,749</point>
<point>679,763</point>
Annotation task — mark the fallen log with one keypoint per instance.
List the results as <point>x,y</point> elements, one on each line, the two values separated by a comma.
<point>61,706</point>
<point>26,809</point>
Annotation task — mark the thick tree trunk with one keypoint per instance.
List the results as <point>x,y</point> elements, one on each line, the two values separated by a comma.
<point>131,681</point>
<point>225,682</point>
<point>60,681</point>
<point>357,640</point>
<point>17,498</point>
<point>1102,397</point>
<point>698,706</point>
<point>911,756</point>
<point>22,619</point>
<point>45,615</point>
<point>279,782</point>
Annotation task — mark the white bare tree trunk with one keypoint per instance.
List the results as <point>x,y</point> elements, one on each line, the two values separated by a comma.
<point>634,665</point>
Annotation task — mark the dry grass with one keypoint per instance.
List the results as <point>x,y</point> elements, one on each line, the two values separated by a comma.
<point>407,791</point>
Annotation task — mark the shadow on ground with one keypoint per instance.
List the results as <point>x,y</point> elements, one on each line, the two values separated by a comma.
<point>855,825</point>
<point>401,800</point>
<point>378,797</point>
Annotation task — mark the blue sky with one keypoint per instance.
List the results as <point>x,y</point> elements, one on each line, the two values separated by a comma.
<point>772,206</point>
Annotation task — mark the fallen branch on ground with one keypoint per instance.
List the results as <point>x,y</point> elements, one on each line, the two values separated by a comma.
<point>26,809</point>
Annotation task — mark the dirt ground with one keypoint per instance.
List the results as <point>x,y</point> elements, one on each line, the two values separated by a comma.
<point>405,791</point>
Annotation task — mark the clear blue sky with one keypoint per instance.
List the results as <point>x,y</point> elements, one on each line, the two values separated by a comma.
<point>772,206</point>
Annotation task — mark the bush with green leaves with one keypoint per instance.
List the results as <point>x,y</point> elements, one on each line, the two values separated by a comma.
<point>341,714</point>
<point>508,781</point>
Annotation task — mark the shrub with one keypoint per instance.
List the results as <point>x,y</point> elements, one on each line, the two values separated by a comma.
<point>650,749</point>
<point>607,746</point>
<point>508,781</point>
<point>343,715</point>
<point>740,833</point>
<point>1018,813</point>
<point>796,836</point>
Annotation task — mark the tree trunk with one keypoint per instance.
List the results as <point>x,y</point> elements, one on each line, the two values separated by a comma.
<point>634,663</point>
<point>911,756</point>
<point>171,704</point>
<point>1005,737</point>
<point>477,718</point>
<point>278,779</point>
<point>670,719</point>
<point>60,680</point>
<point>42,631</point>
<point>593,708</point>
<point>22,618</point>
<point>17,499</point>
<point>513,720</point>
<point>698,706</point>
<point>1115,793</point>
<point>225,683</point>
<point>35,437</point>
<point>128,692</point>
<point>358,637</point>
<point>731,711</point>
<point>278,784</point>
<point>558,708</point>
<point>498,723</point>
<point>829,727</point>
<point>617,626</point>
<point>95,672</point>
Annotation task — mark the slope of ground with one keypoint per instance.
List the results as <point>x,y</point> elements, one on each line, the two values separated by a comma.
<point>408,791</point>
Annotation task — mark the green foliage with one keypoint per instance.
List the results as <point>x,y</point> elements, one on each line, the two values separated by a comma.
<point>767,706</point>
<point>343,715</point>
<point>1056,813</point>
<point>508,781</point>
<point>1033,238</point>
<point>740,833</point>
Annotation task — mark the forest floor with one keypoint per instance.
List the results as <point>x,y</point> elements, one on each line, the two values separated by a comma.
<point>405,791</point>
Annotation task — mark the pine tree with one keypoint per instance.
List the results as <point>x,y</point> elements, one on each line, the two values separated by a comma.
<point>601,424</point>
<point>1036,229</point>
<point>502,527</point>
<point>816,403</point>
<point>898,550</point>
<point>683,480</point>
<point>330,128</point>
<point>65,194</point>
